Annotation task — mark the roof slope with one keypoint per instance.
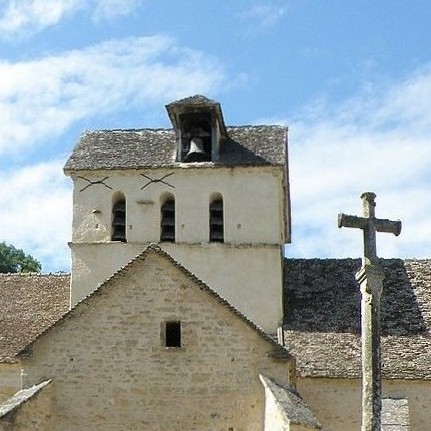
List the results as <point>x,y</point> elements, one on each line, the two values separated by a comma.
<point>29,303</point>
<point>155,148</point>
<point>322,323</point>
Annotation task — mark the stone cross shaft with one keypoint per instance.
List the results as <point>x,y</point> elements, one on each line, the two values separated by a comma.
<point>370,278</point>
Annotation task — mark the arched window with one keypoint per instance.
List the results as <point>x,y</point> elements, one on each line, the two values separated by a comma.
<point>167,219</point>
<point>119,218</point>
<point>216,219</point>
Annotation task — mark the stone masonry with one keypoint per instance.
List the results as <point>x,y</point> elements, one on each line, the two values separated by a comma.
<point>111,371</point>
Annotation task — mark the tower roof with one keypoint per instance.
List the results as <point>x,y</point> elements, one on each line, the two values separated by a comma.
<point>195,104</point>
<point>155,148</point>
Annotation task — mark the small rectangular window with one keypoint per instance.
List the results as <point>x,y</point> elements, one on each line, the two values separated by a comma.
<point>173,334</point>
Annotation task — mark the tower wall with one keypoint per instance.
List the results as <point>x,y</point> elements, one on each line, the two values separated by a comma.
<point>245,269</point>
<point>254,204</point>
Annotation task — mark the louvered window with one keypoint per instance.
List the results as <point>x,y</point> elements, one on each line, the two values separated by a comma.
<point>216,221</point>
<point>167,228</point>
<point>119,221</point>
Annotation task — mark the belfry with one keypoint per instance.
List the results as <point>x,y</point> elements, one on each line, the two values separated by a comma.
<point>215,197</point>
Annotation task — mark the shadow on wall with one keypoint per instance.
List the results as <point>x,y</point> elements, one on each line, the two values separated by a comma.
<point>322,295</point>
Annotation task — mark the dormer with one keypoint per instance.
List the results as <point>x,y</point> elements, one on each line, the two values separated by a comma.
<point>199,129</point>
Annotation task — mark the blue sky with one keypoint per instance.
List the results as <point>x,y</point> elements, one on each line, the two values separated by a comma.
<point>352,80</point>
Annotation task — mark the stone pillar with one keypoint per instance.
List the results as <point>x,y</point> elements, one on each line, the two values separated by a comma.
<point>370,278</point>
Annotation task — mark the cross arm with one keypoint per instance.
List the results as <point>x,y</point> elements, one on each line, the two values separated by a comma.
<point>345,220</point>
<point>381,225</point>
<point>389,226</point>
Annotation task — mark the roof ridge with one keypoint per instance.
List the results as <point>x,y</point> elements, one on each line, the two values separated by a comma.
<point>35,274</point>
<point>133,129</point>
<point>171,129</point>
<point>345,259</point>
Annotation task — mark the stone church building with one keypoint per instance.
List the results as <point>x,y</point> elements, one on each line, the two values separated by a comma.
<point>182,311</point>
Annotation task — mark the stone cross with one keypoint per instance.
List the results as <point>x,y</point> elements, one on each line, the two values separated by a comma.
<point>370,278</point>
<point>369,224</point>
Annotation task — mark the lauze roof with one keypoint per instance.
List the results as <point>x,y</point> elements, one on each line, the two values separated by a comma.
<point>28,305</point>
<point>155,148</point>
<point>322,317</point>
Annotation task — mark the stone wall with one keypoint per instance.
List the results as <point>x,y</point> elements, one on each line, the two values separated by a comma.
<point>253,200</point>
<point>10,381</point>
<point>246,268</point>
<point>111,371</point>
<point>250,278</point>
<point>337,402</point>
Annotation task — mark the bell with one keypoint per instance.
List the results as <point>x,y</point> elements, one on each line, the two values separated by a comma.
<point>196,152</point>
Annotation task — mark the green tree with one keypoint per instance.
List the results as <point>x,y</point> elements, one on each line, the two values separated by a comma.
<point>14,260</point>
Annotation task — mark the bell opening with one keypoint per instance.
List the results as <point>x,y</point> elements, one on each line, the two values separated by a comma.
<point>196,138</point>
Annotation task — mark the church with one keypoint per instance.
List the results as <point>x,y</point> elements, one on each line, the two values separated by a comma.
<point>182,311</point>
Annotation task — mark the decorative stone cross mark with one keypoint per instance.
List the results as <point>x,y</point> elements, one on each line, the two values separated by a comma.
<point>369,224</point>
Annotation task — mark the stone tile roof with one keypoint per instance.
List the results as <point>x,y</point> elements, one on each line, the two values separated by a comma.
<point>29,303</point>
<point>322,317</point>
<point>196,100</point>
<point>156,148</point>
<point>194,104</point>
<point>20,398</point>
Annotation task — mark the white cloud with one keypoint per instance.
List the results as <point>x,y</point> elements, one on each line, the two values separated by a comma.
<point>109,9</point>
<point>27,17</point>
<point>265,15</point>
<point>377,141</point>
<point>30,16</point>
<point>36,212</point>
<point>40,99</point>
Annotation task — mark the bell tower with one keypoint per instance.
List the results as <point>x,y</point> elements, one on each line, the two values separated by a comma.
<point>216,198</point>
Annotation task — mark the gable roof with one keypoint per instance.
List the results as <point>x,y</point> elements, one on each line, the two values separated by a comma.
<point>29,303</point>
<point>279,351</point>
<point>322,317</point>
<point>322,314</point>
<point>156,148</point>
<point>195,104</point>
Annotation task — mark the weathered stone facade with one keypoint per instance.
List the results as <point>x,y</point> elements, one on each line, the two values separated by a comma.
<point>337,402</point>
<point>111,371</point>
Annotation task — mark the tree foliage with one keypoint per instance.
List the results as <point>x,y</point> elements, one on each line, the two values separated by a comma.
<point>15,260</point>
